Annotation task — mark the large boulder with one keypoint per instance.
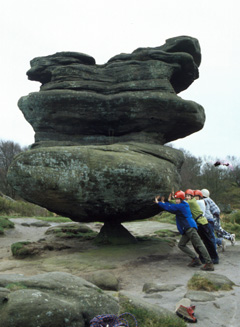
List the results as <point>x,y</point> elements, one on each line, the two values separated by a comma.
<point>51,299</point>
<point>100,131</point>
<point>113,183</point>
<point>62,300</point>
<point>131,97</point>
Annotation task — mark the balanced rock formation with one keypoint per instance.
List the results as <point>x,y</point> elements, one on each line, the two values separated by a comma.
<point>100,131</point>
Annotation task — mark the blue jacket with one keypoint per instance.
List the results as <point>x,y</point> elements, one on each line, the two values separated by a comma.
<point>184,219</point>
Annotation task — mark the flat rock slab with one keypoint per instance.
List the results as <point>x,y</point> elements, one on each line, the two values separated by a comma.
<point>200,296</point>
<point>37,224</point>
<point>153,288</point>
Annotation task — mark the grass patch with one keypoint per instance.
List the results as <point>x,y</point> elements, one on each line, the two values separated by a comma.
<point>164,217</point>
<point>148,318</point>
<point>200,283</point>
<point>18,249</point>
<point>59,219</point>
<point>5,223</point>
<point>231,223</point>
<point>234,217</point>
<point>166,233</point>
<point>73,231</point>
<point>156,240</point>
<point>79,235</point>
<point>15,286</point>
<point>22,209</point>
<point>146,238</point>
<point>49,219</point>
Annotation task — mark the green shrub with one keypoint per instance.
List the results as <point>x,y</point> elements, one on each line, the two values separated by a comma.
<point>235,217</point>
<point>4,205</point>
<point>230,196</point>
<point>232,228</point>
<point>231,223</point>
<point>22,208</point>
<point>5,223</point>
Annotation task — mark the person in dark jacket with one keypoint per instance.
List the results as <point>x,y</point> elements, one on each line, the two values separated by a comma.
<point>188,229</point>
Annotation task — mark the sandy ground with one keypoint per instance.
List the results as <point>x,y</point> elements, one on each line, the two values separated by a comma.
<point>165,265</point>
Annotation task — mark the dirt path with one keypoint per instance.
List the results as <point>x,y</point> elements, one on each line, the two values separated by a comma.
<point>134,267</point>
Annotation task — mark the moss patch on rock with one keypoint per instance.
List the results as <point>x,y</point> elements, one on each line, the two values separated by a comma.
<point>166,233</point>
<point>15,286</point>
<point>209,282</point>
<point>73,230</point>
<point>19,250</point>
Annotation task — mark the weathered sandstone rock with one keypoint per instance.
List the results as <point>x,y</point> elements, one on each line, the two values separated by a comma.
<point>52,299</point>
<point>113,183</point>
<point>62,300</point>
<point>131,97</point>
<point>100,131</point>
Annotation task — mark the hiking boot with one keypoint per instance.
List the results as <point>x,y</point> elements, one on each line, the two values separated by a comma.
<point>195,263</point>
<point>208,267</point>
<point>186,313</point>
<point>215,261</point>
<point>233,241</point>
<point>224,245</point>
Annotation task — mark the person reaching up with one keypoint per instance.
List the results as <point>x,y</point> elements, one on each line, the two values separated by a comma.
<point>188,229</point>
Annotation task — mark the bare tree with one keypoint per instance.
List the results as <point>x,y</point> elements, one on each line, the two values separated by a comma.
<point>190,171</point>
<point>234,171</point>
<point>8,150</point>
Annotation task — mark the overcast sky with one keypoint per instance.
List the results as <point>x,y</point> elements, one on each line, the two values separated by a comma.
<point>104,28</point>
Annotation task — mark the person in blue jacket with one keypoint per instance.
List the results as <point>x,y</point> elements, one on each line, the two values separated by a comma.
<point>188,229</point>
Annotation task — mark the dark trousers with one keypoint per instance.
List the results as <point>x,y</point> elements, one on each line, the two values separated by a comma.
<point>211,225</point>
<point>204,231</point>
<point>191,234</point>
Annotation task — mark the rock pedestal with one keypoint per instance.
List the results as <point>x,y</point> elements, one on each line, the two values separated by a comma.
<point>100,131</point>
